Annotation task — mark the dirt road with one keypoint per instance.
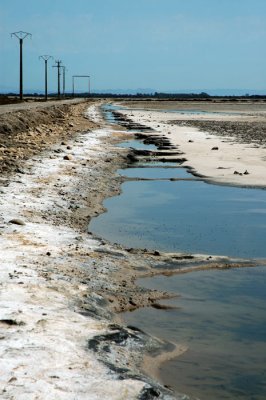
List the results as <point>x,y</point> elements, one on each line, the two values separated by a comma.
<point>33,105</point>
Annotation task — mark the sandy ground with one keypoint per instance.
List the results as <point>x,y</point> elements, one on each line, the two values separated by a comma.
<point>61,287</point>
<point>226,147</point>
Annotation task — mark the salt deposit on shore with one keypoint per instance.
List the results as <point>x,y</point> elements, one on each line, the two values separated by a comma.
<point>43,352</point>
<point>60,286</point>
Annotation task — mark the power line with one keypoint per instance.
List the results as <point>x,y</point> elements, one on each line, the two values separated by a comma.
<point>45,58</point>
<point>21,36</point>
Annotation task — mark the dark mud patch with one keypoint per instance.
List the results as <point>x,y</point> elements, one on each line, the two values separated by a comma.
<point>119,349</point>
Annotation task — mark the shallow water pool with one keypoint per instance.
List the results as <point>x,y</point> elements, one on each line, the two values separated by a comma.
<point>155,173</point>
<point>187,216</point>
<point>221,317</point>
<point>137,144</point>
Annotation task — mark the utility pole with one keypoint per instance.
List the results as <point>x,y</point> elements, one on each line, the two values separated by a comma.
<point>64,79</point>
<point>21,36</point>
<point>58,66</point>
<point>45,58</point>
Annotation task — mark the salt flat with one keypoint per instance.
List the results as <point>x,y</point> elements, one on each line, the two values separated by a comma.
<point>218,158</point>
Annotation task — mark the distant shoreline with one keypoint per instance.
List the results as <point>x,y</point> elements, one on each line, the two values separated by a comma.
<point>223,143</point>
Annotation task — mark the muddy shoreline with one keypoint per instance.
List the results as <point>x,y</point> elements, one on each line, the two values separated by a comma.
<point>100,277</point>
<point>87,274</point>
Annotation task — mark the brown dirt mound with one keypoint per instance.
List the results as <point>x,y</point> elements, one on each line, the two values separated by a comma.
<point>25,133</point>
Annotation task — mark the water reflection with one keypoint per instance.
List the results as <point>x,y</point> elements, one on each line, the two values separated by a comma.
<point>186,216</point>
<point>221,318</point>
<point>155,173</point>
<point>137,144</point>
<point>221,314</point>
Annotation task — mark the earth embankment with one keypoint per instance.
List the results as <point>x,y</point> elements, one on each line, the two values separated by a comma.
<point>27,129</point>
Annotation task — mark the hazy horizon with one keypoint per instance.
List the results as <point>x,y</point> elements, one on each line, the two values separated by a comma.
<point>148,91</point>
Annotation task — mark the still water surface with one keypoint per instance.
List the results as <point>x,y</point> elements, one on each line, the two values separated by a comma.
<point>220,315</point>
<point>136,144</point>
<point>155,173</point>
<point>189,216</point>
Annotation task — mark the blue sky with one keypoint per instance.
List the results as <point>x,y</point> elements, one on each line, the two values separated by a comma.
<point>165,45</point>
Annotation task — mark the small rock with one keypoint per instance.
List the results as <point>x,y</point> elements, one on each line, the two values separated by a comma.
<point>20,171</point>
<point>13,379</point>
<point>246,173</point>
<point>68,157</point>
<point>11,322</point>
<point>215,148</point>
<point>17,221</point>
<point>190,141</point>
